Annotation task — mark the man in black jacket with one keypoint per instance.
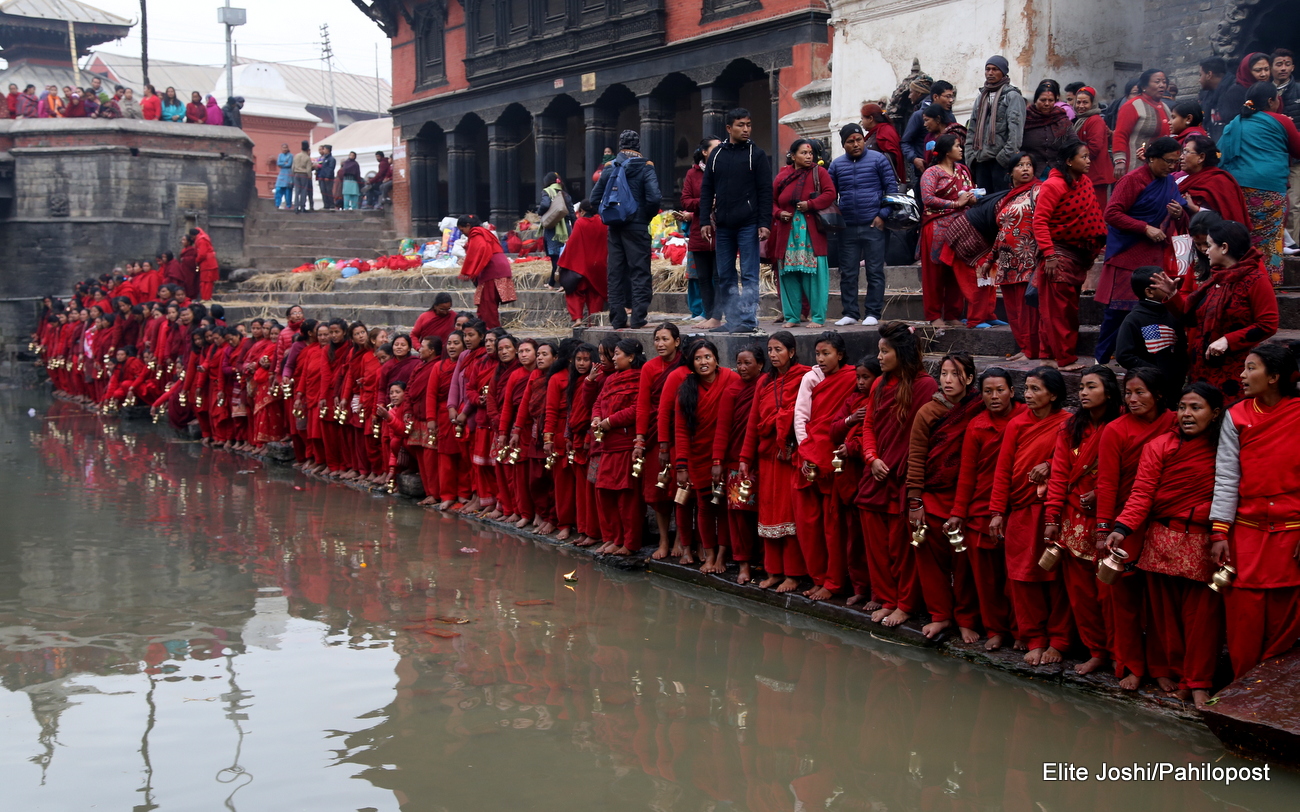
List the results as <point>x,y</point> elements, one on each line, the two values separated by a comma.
<point>629,241</point>
<point>736,212</point>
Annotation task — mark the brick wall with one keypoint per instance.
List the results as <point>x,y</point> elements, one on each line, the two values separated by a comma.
<point>683,16</point>
<point>404,59</point>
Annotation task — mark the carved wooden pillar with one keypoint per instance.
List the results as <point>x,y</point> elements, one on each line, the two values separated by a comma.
<point>503,176</point>
<point>657,128</point>
<point>462,175</point>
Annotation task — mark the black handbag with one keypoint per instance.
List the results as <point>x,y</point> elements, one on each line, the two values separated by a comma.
<point>829,219</point>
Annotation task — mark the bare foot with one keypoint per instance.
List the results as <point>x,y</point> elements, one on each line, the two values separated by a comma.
<point>769,582</point>
<point>855,599</point>
<point>931,629</point>
<point>661,553</point>
<point>1200,697</point>
<point>871,606</point>
<point>446,504</point>
<point>1020,356</point>
<point>494,515</point>
<point>511,519</point>
<point>880,614</point>
<point>564,534</point>
<point>1075,367</point>
<point>1034,656</point>
<point>428,500</point>
<point>1089,665</point>
<point>1050,655</point>
<point>1130,683</point>
<point>744,577</point>
<point>1167,685</point>
<point>522,523</point>
<point>679,550</point>
<point>546,529</point>
<point>1019,645</point>
<point>821,593</point>
<point>686,558</point>
<point>968,636</point>
<point>712,562</point>
<point>621,551</point>
<point>587,542</point>
<point>788,585</point>
<point>993,643</point>
<point>896,618</point>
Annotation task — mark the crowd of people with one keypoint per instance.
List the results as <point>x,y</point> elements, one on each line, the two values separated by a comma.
<point>341,184</point>
<point>95,101</point>
<point>1022,200</point>
<point>1098,530</point>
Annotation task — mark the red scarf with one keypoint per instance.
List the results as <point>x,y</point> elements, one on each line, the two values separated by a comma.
<point>1215,189</point>
<point>943,461</point>
<point>1077,220</point>
<point>827,397</point>
<point>479,248</point>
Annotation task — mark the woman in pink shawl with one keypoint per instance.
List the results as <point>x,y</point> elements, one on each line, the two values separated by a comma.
<point>214,114</point>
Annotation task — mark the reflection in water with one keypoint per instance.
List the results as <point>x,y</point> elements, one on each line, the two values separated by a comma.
<point>191,629</point>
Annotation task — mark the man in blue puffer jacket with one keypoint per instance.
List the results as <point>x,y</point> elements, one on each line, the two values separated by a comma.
<point>863,177</point>
<point>629,241</point>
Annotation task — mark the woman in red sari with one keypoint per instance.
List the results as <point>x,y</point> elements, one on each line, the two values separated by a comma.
<point>697,407</point>
<point>1256,504</point>
<point>422,438</point>
<point>1042,610</point>
<point>882,443</point>
<point>205,260</point>
<point>1091,129</point>
<point>766,457</point>
<point>487,266</point>
<point>478,375</point>
<point>559,443</point>
<point>615,416</point>
<point>728,441</point>
<point>507,365</point>
<point>1230,313</point>
<point>648,445</point>
<point>583,266</point>
<point>583,400</point>
<point>933,466</point>
<point>683,545</point>
<point>453,485</point>
<point>970,507</point>
<point>1015,254</point>
<point>946,189</point>
<point>817,520</point>
<point>528,436</point>
<point>1069,230</point>
<point>512,400</point>
<point>1206,186</point>
<point>311,381</point>
<point>845,513</point>
<point>1122,442</point>
<point>265,424</point>
<point>1069,518</point>
<point>1172,490</point>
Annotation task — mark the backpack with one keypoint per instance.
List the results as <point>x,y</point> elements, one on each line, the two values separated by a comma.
<point>618,205</point>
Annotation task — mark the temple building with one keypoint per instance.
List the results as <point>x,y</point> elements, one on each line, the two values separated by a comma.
<point>490,95</point>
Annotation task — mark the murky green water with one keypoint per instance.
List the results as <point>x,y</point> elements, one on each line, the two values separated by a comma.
<point>185,630</point>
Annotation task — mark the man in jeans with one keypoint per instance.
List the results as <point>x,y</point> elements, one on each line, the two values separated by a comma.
<point>736,212</point>
<point>629,241</point>
<point>325,177</point>
<point>862,177</point>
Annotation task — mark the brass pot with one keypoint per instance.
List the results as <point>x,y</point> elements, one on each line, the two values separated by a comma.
<point>514,455</point>
<point>1051,557</point>
<point>572,457</point>
<point>460,431</point>
<point>958,540</point>
<point>719,494</point>
<point>918,533</point>
<point>637,465</point>
<point>664,477</point>
<point>683,496</point>
<point>551,460</point>
<point>1222,579</point>
<point>811,476</point>
<point>745,490</point>
<point>1112,566</point>
<point>837,464</point>
<point>598,434</point>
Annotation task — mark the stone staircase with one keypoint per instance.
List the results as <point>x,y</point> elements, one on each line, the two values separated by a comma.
<point>395,300</point>
<point>276,240</point>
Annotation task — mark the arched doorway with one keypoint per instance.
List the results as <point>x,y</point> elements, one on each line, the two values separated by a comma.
<point>672,129</point>
<point>468,188</point>
<point>561,146</point>
<point>511,166</point>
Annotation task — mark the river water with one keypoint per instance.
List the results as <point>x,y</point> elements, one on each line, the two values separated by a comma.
<point>182,629</point>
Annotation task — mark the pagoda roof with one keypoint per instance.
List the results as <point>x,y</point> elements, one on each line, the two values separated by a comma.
<point>62,11</point>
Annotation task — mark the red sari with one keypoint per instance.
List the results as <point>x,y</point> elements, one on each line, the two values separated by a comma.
<point>621,505</point>
<point>1214,189</point>
<point>649,396</point>
<point>1172,489</point>
<point>516,474</point>
<point>742,515</point>
<point>818,519</point>
<point>1041,608</point>
<point>693,453</point>
<point>1263,605</point>
<point>488,268</point>
<point>768,437</point>
<point>586,254</point>
<point>939,284</point>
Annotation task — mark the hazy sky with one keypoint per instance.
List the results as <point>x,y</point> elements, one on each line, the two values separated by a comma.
<point>277,31</point>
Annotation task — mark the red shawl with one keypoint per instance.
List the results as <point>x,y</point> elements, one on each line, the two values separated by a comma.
<point>1070,214</point>
<point>827,398</point>
<point>430,323</point>
<point>1174,482</point>
<point>772,415</point>
<point>734,414</point>
<point>1217,191</point>
<point>695,450</point>
<point>882,434</point>
<point>617,403</point>
<point>479,249</point>
<point>587,252</point>
<point>1074,470</point>
<point>511,397</point>
<point>1026,443</point>
<point>943,460</point>
<point>436,394</point>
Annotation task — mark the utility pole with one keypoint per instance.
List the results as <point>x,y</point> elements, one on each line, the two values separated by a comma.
<point>328,55</point>
<point>144,40</point>
<point>230,17</point>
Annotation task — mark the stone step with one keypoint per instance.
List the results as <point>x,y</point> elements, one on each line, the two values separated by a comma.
<point>461,299</point>
<point>371,315</point>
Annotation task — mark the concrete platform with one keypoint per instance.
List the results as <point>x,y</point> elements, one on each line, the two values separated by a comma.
<point>1259,714</point>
